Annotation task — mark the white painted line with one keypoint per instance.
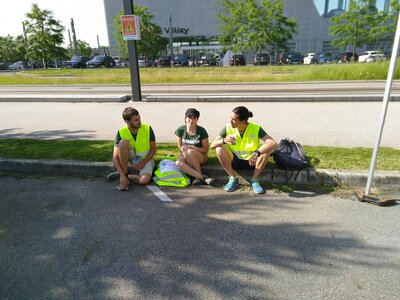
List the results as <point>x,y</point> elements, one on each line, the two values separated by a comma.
<point>159,193</point>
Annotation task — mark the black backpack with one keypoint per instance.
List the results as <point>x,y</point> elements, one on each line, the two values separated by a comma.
<point>290,156</point>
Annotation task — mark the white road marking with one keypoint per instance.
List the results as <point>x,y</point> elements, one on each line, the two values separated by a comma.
<point>159,193</point>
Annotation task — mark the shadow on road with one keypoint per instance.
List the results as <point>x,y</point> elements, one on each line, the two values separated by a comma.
<point>78,239</point>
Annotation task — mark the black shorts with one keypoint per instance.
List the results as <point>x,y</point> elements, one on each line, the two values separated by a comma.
<point>241,164</point>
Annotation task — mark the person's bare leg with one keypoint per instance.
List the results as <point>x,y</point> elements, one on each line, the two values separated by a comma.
<point>261,163</point>
<point>225,158</point>
<point>183,166</point>
<point>124,148</point>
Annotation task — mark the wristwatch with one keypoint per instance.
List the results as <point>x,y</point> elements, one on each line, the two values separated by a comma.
<point>258,152</point>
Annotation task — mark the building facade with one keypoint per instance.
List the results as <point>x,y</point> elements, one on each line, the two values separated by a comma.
<point>194,25</point>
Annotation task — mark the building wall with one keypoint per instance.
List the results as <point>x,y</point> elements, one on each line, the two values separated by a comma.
<point>198,17</point>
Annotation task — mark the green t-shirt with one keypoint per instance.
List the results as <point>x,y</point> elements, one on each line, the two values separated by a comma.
<point>261,133</point>
<point>118,137</point>
<point>194,140</point>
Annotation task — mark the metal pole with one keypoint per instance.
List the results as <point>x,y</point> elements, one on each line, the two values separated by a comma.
<point>98,42</point>
<point>133,58</point>
<point>171,44</point>
<point>74,37</point>
<point>70,43</point>
<point>388,88</point>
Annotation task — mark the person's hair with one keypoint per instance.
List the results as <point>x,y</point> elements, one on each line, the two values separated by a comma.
<point>128,113</point>
<point>243,113</point>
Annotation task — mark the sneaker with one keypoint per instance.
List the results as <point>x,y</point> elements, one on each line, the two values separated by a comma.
<point>197,181</point>
<point>208,180</point>
<point>257,188</point>
<point>231,185</point>
<point>113,176</point>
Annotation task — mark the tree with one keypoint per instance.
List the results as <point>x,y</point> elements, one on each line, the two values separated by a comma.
<point>44,35</point>
<point>247,25</point>
<point>12,49</point>
<point>360,25</point>
<point>84,48</point>
<point>150,43</point>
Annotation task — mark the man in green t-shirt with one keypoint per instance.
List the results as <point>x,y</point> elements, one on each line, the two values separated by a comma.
<point>134,143</point>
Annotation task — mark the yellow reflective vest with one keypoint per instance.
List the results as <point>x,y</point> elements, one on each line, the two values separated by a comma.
<point>168,174</point>
<point>142,143</point>
<point>246,145</point>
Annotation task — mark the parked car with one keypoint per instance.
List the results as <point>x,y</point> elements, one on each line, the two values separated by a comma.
<point>348,57</point>
<point>325,58</point>
<point>370,56</point>
<point>120,63</point>
<point>294,58</point>
<point>238,60</point>
<point>281,59</point>
<point>310,58</point>
<point>18,65</point>
<point>261,59</point>
<point>164,61</point>
<point>143,62</point>
<point>77,62</point>
<point>101,61</point>
<point>4,65</point>
<point>180,60</point>
<point>57,63</point>
<point>206,59</point>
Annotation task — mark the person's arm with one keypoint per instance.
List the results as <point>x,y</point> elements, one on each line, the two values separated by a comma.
<point>206,146</point>
<point>218,142</point>
<point>266,148</point>
<point>179,143</point>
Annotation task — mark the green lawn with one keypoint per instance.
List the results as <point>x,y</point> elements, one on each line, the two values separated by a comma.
<point>349,71</point>
<point>101,151</point>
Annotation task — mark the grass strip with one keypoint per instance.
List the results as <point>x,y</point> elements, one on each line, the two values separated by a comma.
<point>101,151</point>
<point>292,73</point>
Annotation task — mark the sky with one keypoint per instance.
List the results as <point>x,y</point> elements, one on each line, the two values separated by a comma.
<point>88,15</point>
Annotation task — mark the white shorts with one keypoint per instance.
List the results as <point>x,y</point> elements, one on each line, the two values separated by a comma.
<point>148,167</point>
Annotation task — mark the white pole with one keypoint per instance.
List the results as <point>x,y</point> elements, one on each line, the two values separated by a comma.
<point>388,88</point>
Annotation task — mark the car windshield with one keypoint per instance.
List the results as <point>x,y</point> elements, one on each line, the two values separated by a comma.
<point>180,56</point>
<point>76,58</point>
<point>99,58</point>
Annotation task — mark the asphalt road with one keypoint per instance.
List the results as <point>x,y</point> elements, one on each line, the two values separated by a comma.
<point>64,238</point>
<point>342,124</point>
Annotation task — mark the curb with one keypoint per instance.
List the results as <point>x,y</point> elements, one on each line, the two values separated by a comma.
<point>101,169</point>
<point>64,98</point>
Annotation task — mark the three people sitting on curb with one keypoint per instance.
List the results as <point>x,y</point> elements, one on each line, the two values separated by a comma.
<point>237,147</point>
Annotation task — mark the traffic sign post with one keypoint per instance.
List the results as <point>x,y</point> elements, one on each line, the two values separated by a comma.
<point>130,27</point>
<point>132,51</point>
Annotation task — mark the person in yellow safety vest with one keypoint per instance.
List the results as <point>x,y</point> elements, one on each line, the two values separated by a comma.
<point>192,140</point>
<point>238,147</point>
<point>134,143</point>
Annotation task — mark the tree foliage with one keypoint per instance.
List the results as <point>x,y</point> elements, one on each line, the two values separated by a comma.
<point>44,35</point>
<point>84,48</point>
<point>11,49</point>
<point>150,43</point>
<point>254,25</point>
<point>363,24</point>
